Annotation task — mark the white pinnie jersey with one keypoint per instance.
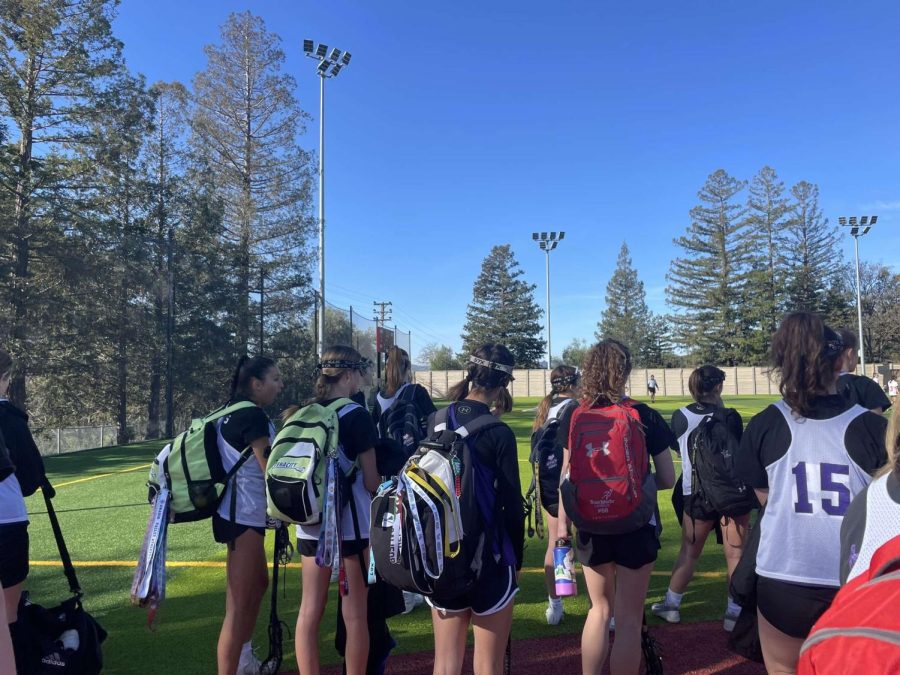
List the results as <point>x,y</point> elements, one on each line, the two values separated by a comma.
<point>693,421</point>
<point>882,517</point>
<point>810,488</point>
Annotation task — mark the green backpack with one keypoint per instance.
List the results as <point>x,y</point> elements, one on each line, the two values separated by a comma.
<point>192,470</point>
<point>296,469</point>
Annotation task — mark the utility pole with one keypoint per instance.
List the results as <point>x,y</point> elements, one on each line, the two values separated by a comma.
<point>382,314</point>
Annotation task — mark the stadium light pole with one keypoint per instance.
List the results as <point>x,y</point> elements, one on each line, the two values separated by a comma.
<point>547,242</point>
<point>859,229</point>
<point>330,65</point>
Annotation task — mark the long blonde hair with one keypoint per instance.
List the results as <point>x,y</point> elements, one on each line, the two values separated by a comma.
<point>563,380</point>
<point>327,377</point>
<point>396,371</point>
<point>892,443</point>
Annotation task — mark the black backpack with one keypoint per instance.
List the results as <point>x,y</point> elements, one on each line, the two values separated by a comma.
<point>401,423</point>
<point>547,455</point>
<point>415,519</point>
<point>713,450</point>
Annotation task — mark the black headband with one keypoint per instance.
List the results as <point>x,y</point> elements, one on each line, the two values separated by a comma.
<point>567,381</point>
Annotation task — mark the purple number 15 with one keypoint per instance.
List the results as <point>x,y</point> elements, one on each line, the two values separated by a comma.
<point>827,483</point>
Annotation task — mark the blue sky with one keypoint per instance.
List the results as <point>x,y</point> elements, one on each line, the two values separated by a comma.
<point>462,125</point>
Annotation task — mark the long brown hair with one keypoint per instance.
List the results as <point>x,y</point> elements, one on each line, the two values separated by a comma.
<point>703,382</point>
<point>396,371</point>
<point>805,354</point>
<point>892,442</point>
<point>485,377</point>
<point>605,372</point>
<point>327,377</point>
<point>563,380</point>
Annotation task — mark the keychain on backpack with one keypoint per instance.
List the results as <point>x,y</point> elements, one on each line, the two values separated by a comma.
<point>371,579</point>
<point>457,474</point>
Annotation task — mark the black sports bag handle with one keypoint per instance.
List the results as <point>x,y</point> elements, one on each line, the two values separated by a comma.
<point>69,570</point>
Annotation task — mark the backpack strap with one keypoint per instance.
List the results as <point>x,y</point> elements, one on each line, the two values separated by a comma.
<point>68,568</point>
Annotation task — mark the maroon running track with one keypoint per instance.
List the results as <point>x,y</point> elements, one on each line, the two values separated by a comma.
<point>687,649</point>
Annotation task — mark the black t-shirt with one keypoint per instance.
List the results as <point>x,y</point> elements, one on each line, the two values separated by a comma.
<point>863,390</point>
<point>768,438</point>
<point>497,451</point>
<point>356,433</point>
<point>565,419</point>
<point>657,434</point>
<point>733,421</point>
<point>242,427</point>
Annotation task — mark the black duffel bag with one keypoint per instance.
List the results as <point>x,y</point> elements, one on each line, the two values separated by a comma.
<point>64,639</point>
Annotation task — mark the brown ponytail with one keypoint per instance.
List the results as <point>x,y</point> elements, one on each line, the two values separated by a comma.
<point>396,371</point>
<point>563,380</point>
<point>485,377</point>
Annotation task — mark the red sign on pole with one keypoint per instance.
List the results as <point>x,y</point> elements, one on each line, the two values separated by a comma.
<point>384,339</point>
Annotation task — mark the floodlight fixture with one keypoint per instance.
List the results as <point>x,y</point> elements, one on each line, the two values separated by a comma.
<point>323,66</point>
<point>308,46</point>
<point>859,227</point>
<point>562,236</point>
<point>346,58</point>
<point>336,69</point>
<point>321,51</point>
<point>335,55</point>
<point>534,235</point>
<point>548,241</point>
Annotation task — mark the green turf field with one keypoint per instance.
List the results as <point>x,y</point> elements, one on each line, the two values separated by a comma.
<point>100,495</point>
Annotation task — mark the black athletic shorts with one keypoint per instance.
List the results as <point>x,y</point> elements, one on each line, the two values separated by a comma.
<point>632,550</point>
<point>551,507</point>
<point>792,608</point>
<point>226,531</point>
<point>349,547</point>
<point>13,553</point>
<point>494,590</point>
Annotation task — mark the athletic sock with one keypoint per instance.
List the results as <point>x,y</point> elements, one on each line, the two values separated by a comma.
<point>248,647</point>
<point>673,599</point>
<point>555,603</point>
<point>733,608</point>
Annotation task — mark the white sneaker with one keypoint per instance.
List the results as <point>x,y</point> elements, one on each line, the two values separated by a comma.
<point>248,664</point>
<point>554,614</point>
<point>411,601</point>
<point>730,620</point>
<point>669,613</point>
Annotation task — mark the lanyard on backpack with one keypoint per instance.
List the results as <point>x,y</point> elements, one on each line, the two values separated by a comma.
<point>420,535</point>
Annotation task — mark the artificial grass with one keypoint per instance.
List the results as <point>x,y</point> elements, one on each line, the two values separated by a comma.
<point>103,519</point>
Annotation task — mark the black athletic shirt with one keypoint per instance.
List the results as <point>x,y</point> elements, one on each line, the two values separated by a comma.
<point>733,420</point>
<point>657,433</point>
<point>497,450</point>
<point>242,427</point>
<point>768,437</point>
<point>356,433</point>
<point>863,390</point>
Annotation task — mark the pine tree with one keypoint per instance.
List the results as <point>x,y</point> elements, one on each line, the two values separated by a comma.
<point>626,317</point>
<point>503,310</point>
<point>813,257</point>
<point>706,285</point>
<point>246,122</point>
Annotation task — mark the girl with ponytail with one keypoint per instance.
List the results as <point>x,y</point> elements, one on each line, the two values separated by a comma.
<point>398,383</point>
<point>806,456</point>
<point>241,518</point>
<point>489,605</point>
<point>558,405</point>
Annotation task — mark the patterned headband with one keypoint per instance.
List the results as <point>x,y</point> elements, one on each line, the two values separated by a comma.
<point>490,364</point>
<point>363,364</point>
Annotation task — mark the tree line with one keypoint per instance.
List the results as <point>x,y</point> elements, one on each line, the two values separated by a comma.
<point>754,250</point>
<point>149,233</point>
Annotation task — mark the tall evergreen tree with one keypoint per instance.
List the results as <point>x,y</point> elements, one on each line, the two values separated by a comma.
<point>813,256</point>
<point>55,56</point>
<point>707,283</point>
<point>626,317</point>
<point>246,123</point>
<point>503,310</point>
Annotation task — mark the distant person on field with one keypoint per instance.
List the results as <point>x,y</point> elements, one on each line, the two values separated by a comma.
<point>807,456</point>
<point>893,387</point>
<point>698,521</point>
<point>240,521</point>
<point>652,387</point>
<point>28,476</point>
<point>859,388</point>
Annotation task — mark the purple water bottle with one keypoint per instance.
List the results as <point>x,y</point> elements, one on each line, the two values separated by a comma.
<point>564,568</point>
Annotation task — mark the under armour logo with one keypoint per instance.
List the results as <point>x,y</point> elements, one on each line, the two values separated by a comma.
<point>591,449</point>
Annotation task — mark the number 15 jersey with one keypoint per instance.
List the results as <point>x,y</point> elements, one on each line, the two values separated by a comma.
<point>813,467</point>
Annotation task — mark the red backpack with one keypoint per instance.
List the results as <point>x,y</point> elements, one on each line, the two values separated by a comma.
<point>609,489</point>
<point>860,632</point>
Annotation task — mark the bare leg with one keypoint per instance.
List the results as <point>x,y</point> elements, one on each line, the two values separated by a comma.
<point>600,582</point>
<point>734,534</point>
<point>314,595</point>
<point>693,537</point>
<point>780,652</point>
<point>631,592</point>
<point>247,578</point>
<point>354,607</point>
<point>491,636</point>
<point>449,640</point>
<point>549,574</point>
